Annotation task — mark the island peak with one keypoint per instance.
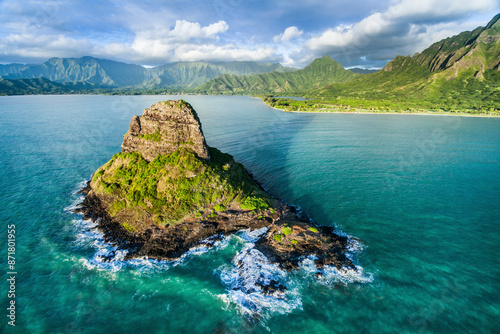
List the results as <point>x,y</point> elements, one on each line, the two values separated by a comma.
<point>163,129</point>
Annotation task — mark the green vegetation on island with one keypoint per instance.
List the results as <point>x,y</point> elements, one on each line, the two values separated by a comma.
<point>173,187</point>
<point>154,136</point>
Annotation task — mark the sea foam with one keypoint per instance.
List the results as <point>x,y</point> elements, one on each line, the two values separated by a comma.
<point>245,278</point>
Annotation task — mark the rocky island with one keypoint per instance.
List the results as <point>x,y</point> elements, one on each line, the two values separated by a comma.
<point>168,191</point>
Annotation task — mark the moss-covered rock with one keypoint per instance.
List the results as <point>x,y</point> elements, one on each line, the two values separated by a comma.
<point>165,180</point>
<point>174,186</point>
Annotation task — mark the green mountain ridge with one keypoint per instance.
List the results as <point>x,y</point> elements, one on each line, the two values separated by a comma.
<point>320,72</point>
<point>31,86</point>
<point>93,71</point>
<point>12,69</point>
<point>103,73</point>
<point>459,72</point>
<point>193,74</point>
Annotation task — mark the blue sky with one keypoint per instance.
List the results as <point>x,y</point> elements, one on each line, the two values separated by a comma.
<point>363,33</point>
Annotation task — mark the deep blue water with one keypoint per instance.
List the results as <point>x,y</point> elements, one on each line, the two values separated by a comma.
<point>420,192</point>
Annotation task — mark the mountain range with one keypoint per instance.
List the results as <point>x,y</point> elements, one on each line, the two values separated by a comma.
<point>459,72</point>
<point>319,73</point>
<point>103,73</point>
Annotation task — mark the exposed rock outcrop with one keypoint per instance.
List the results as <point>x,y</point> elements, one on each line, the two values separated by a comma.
<point>163,128</point>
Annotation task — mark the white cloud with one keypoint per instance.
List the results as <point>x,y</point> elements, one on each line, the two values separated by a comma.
<point>289,34</point>
<point>45,46</point>
<point>152,33</point>
<point>222,52</point>
<point>189,41</point>
<point>185,41</point>
<point>426,10</point>
<point>354,35</point>
<point>185,30</point>
<point>404,28</point>
<point>182,32</point>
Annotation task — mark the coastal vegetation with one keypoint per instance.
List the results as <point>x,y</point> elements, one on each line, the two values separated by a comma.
<point>172,187</point>
<point>31,86</point>
<point>353,105</point>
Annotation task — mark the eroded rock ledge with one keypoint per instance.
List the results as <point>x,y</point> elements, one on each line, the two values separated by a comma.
<point>168,192</point>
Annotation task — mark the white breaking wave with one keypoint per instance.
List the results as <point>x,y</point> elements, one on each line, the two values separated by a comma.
<point>213,243</point>
<point>330,275</point>
<point>106,256</point>
<point>354,246</point>
<point>251,236</point>
<point>251,271</point>
<point>109,257</point>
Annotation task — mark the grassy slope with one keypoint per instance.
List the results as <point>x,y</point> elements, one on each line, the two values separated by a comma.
<point>174,187</point>
<point>319,73</point>
<point>30,86</point>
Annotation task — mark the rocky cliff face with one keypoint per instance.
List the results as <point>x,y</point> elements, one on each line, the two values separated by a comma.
<point>163,129</point>
<point>477,48</point>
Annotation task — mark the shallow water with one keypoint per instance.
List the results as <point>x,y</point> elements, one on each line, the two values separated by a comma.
<point>420,193</point>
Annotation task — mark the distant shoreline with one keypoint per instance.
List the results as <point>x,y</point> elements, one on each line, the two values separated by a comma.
<point>357,111</point>
<point>368,112</point>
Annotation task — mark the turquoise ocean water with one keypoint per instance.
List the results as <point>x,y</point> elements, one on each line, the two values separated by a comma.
<point>420,193</point>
